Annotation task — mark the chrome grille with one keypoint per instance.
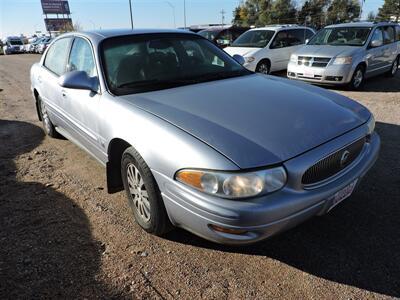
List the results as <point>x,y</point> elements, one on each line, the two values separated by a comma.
<point>334,163</point>
<point>310,61</point>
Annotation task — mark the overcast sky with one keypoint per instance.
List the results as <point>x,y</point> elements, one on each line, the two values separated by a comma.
<point>25,16</point>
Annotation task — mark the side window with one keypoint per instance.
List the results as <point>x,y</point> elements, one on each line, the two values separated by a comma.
<point>378,35</point>
<point>297,36</point>
<point>81,57</point>
<point>281,40</point>
<point>388,35</point>
<point>57,55</point>
<point>224,38</point>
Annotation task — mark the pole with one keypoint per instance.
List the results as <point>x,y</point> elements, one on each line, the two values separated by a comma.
<point>184,13</point>
<point>130,11</point>
<point>173,11</point>
<point>361,9</point>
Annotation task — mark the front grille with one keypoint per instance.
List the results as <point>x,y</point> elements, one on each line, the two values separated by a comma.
<point>310,61</point>
<point>315,76</point>
<point>334,163</point>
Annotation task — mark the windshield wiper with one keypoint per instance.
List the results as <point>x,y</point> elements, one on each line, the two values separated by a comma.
<point>142,83</point>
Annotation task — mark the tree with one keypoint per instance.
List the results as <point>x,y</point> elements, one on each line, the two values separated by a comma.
<point>390,10</point>
<point>283,11</point>
<point>315,10</point>
<point>371,16</point>
<point>340,11</point>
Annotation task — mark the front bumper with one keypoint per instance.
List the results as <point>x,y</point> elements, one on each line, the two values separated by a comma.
<point>330,75</point>
<point>265,216</point>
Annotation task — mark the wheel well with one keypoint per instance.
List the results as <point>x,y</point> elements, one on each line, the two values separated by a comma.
<point>36,94</point>
<point>362,64</point>
<point>115,150</point>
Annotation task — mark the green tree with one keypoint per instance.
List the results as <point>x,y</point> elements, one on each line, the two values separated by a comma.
<point>340,11</point>
<point>371,16</point>
<point>283,11</point>
<point>390,10</point>
<point>315,12</point>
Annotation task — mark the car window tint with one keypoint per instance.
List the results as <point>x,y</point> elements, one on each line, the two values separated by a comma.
<point>81,57</point>
<point>397,33</point>
<point>57,55</point>
<point>378,35</point>
<point>224,38</point>
<point>388,35</point>
<point>296,37</point>
<point>281,40</point>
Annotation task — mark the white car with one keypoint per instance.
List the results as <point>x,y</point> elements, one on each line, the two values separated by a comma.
<point>268,49</point>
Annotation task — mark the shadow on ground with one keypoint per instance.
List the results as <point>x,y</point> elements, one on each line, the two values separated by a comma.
<point>47,250</point>
<point>357,244</point>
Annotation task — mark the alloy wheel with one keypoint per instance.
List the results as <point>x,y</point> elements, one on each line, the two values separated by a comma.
<point>263,68</point>
<point>358,78</point>
<point>45,117</point>
<point>138,192</point>
<point>395,66</point>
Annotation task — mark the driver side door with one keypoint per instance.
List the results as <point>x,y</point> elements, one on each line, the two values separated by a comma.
<point>82,106</point>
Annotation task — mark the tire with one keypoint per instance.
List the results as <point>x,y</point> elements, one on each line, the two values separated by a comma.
<point>393,68</point>
<point>358,79</point>
<point>143,194</point>
<point>48,126</point>
<point>263,67</point>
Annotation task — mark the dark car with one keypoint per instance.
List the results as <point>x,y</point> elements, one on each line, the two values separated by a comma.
<point>223,36</point>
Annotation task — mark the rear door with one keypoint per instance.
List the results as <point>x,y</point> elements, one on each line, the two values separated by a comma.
<point>390,49</point>
<point>53,67</point>
<point>82,106</point>
<point>279,52</point>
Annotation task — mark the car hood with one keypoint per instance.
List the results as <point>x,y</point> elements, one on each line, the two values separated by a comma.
<point>255,120</point>
<point>243,51</point>
<point>326,50</point>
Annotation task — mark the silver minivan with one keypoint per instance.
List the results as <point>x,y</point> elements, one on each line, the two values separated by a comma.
<point>348,54</point>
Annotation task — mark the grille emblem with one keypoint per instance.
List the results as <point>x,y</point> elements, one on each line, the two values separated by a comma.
<point>344,158</point>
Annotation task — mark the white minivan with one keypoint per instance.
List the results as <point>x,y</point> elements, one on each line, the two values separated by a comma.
<point>268,49</point>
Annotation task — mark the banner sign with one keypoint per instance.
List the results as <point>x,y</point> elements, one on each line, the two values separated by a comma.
<point>58,24</point>
<point>55,7</point>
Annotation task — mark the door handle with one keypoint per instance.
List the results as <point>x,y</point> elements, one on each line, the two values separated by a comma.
<point>64,93</point>
<point>39,79</point>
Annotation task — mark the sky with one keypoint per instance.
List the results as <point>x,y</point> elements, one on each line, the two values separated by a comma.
<point>25,16</point>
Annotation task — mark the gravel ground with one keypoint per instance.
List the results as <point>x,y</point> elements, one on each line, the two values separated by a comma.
<point>63,236</point>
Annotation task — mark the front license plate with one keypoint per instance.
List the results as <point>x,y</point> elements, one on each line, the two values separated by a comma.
<point>309,73</point>
<point>343,194</point>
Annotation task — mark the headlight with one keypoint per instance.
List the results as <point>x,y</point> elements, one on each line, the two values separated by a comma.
<point>249,59</point>
<point>343,60</point>
<point>234,184</point>
<point>371,124</point>
<point>293,58</point>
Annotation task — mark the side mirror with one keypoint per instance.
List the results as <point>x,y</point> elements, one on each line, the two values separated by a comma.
<point>376,43</point>
<point>240,59</point>
<point>79,80</point>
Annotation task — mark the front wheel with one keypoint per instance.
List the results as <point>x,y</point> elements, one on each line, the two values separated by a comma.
<point>263,67</point>
<point>358,79</point>
<point>143,194</point>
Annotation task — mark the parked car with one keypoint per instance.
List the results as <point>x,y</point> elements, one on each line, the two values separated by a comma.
<point>13,45</point>
<point>171,118</point>
<point>223,35</point>
<point>30,46</point>
<point>42,45</point>
<point>347,54</point>
<point>268,49</point>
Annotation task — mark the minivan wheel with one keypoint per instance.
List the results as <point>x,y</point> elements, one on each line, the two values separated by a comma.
<point>48,126</point>
<point>358,79</point>
<point>263,67</point>
<point>394,68</point>
<point>143,194</point>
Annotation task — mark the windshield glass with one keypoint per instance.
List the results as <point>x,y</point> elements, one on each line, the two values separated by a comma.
<point>341,36</point>
<point>15,42</point>
<point>208,34</point>
<point>142,63</point>
<point>254,38</point>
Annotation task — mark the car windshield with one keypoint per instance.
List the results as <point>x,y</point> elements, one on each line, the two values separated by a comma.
<point>341,36</point>
<point>140,63</point>
<point>209,34</point>
<point>254,38</point>
<point>15,42</point>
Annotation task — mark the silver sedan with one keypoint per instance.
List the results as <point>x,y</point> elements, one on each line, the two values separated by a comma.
<point>196,140</point>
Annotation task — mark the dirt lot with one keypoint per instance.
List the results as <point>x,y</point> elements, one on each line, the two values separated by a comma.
<point>63,236</point>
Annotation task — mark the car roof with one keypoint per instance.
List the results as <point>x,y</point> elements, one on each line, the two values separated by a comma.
<point>359,24</point>
<point>280,27</point>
